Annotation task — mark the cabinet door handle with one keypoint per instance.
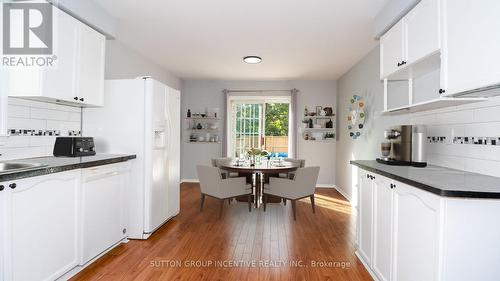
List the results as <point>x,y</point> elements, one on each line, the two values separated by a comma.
<point>441,91</point>
<point>399,64</point>
<point>1,187</point>
<point>75,98</point>
<point>367,176</point>
<point>403,62</point>
<point>13,185</point>
<point>82,99</point>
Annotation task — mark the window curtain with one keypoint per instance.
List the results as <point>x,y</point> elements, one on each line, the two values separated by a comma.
<point>224,129</point>
<point>294,125</point>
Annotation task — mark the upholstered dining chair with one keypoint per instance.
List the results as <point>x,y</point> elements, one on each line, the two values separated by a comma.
<point>211,184</point>
<point>217,162</point>
<point>299,162</point>
<point>301,186</point>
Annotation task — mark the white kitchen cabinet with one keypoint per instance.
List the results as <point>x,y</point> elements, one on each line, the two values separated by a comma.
<point>103,208</point>
<point>382,227</point>
<point>40,226</point>
<point>90,85</point>
<point>76,79</point>
<point>392,50</point>
<point>56,82</point>
<point>416,234</point>
<point>411,48</point>
<point>365,232</point>
<point>422,30</point>
<point>3,229</point>
<point>471,56</point>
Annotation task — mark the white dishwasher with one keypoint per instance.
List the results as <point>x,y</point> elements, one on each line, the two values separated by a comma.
<point>104,212</point>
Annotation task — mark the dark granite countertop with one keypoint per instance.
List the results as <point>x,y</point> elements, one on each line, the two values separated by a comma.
<point>438,180</point>
<point>60,164</point>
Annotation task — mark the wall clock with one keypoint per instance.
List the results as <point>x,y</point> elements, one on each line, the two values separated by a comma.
<point>356,116</point>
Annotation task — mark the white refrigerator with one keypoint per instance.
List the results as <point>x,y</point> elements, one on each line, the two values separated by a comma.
<point>142,116</point>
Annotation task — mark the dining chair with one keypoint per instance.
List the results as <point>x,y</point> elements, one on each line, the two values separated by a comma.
<point>217,162</point>
<point>299,162</point>
<point>301,186</point>
<point>211,184</point>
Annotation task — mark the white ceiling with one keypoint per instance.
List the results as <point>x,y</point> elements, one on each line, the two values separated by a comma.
<point>297,39</point>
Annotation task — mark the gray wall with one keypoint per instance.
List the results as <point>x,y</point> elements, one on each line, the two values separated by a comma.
<point>364,80</point>
<point>123,62</point>
<point>199,94</point>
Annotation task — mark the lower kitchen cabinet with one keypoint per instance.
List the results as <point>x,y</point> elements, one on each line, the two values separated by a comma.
<point>103,208</point>
<point>40,226</point>
<point>3,230</point>
<point>51,224</point>
<point>382,227</point>
<point>365,207</point>
<point>408,234</point>
<point>416,234</point>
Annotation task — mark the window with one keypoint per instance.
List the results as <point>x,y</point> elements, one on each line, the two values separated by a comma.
<point>259,122</point>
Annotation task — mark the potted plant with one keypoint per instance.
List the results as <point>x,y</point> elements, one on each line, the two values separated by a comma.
<point>254,152</point>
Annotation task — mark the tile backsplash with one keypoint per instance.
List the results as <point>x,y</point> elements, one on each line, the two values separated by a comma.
<point>465,137</point>
<point>34,125</point>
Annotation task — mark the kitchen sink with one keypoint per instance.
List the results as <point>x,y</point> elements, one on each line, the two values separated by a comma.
<point>11,167</point>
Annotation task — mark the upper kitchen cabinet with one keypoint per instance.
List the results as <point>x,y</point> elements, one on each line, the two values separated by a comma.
<point>411,47</point>
<point>76,79</point>
<point>471,46</point>
<point>92,46</point>
<point>392,50</point>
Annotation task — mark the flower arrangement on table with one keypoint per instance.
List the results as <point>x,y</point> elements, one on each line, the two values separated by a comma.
<point>254,152</point>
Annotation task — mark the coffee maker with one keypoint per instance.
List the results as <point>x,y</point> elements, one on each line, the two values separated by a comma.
<point>405,146</point>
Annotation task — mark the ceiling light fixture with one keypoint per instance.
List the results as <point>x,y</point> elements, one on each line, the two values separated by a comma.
<point>252,59</point>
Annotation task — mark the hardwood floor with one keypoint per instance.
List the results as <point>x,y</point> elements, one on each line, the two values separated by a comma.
<point>258,242</point>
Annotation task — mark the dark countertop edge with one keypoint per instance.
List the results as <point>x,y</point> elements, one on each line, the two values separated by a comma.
<point>431,189</point>
<point>57,169</point>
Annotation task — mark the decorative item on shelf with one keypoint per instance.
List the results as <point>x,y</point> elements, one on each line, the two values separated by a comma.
<point>319,108</point>
<point>307,136</point>
<point>328,111</point>
<point>329,136</point>
<point>193,138</point>
<point>311,125</point>
<point>329,124</point>
<point>189,113</point>
<point>306,112</point>
<point>305,122</point>
<point>199,126</point>
<point>356,116</point>
<point>318,136</point>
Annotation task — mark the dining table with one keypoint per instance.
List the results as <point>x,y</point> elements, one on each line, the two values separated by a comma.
<point>258,172</point>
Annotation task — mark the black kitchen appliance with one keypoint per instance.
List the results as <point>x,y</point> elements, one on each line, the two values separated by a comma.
<point>74,146</point>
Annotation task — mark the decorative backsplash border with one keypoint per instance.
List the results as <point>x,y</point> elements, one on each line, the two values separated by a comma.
<point>23,132</point>
<point>467,140</point>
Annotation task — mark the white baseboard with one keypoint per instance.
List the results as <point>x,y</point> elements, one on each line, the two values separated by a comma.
<point>341,191</point>
<point>374,276</point>
<point>325,185</point>
<point>190,180</point>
